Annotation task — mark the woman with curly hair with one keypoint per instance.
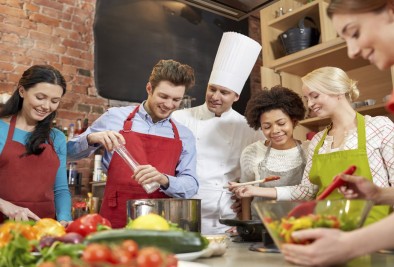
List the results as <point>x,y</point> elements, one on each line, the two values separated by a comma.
<point>277,112</point>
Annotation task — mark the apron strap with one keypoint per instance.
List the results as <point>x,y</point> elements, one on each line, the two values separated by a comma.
<point>361,135</point>
<point>128,123</point>
<point>264,162</point>
<point>361,131</point>
<point>301,152</point>
<point>12,128</point>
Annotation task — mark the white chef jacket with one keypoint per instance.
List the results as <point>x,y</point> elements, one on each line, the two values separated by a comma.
<point>219,144</point>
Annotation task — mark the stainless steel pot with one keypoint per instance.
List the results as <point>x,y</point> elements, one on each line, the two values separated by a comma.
<point>184,212</point>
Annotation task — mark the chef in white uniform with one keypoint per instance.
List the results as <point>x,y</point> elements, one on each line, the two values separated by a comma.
<point>221,132</point>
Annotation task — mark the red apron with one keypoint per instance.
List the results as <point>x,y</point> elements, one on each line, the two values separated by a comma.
<point>28,181</point>
<point>161,152</point>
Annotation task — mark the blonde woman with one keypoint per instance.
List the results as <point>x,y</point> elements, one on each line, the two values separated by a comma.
<point>350,139</point>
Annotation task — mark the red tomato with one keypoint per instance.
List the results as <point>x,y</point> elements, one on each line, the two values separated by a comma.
<point>97,253</point>
<point>87,224</point>
<point>150,257</point>
<point>172,261</point>
<point>121,256</point>
<point>131,246</point>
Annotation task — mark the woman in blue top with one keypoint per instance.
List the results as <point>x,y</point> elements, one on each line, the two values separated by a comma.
<point>32,154</point>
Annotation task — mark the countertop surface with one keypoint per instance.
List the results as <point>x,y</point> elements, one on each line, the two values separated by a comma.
<point>238,254</point>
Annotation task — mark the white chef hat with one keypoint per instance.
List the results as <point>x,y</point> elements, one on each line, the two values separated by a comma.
<point>234,61</point>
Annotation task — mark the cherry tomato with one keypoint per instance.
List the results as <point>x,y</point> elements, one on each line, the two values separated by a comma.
<point>150,257</point>
<point>131,246</point>
<point>171,261</point>
<point>97,253</point>
<point>121,256</point>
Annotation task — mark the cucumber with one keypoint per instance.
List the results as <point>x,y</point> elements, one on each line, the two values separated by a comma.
<point>171,241</point>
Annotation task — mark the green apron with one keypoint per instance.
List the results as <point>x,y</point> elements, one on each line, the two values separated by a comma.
<point>326,166</point>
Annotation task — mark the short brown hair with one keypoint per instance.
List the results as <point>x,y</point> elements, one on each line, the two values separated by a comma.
<point>172,71</point>
<point>277,97</point>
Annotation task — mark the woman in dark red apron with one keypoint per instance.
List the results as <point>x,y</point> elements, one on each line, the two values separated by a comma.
<point>29,163</point>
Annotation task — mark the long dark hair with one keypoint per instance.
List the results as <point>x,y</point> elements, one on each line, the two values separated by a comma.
<point>32,76</point>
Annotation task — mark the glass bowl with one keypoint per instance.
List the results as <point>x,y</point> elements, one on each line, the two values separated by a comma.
<point>217,245</point>
<point>342,214</point>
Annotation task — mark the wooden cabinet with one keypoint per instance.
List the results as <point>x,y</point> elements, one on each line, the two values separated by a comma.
<point>331,50</point>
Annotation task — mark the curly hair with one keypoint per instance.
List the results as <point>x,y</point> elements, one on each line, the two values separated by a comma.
<point>277,97</point>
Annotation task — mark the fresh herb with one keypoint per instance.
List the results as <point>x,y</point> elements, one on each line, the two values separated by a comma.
<point>17,252</point>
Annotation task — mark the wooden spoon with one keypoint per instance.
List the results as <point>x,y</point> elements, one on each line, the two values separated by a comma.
<point>267,179</point>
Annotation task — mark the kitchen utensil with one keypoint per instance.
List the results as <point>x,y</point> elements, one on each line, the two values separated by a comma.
<point>345,214</point>
<point>184,212</point>
<point>308,207</point>
<point>132,163</point>
<point>267,179</point>
<point>248,230</point>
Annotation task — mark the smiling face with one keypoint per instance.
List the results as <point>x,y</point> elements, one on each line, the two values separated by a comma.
<point>278,128</point>
<point>322,104</point>
<point>40,101</point>
<point>219,99</point>
<point>163,100</point>
<point>368,35</point>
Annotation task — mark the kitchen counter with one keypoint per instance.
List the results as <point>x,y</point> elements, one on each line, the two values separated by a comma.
<point>238,254</point>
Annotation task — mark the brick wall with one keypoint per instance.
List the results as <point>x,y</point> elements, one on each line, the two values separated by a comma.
<point>255,34</point>
<point>58,33</point>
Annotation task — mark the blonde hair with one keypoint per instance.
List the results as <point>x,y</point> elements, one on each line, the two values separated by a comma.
<point>332,81</point>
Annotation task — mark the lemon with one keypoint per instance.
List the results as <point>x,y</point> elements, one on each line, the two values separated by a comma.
<point>150,221</point>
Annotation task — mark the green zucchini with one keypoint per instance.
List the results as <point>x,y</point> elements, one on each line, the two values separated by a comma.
<point>171,241</point>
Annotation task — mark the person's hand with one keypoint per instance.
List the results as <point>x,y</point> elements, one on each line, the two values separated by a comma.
<point>17,213</point>
<point>146,174</point>
<point>359,187</point>
<point>329,247</point>
<point>243,191</point>
<point>108,139</point>
<point>236,206</point>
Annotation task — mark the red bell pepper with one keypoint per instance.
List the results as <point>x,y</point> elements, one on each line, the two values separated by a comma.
<point>88,224</point>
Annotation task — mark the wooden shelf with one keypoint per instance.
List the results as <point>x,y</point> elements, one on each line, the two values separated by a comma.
<point>374,110</point>
<point>101,183</point>
<point>325,54</point>
<point>292,18</point>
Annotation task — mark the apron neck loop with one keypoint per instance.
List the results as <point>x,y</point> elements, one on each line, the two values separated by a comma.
<point>361,135</point>
<point>128,122</point>
<point>12,128</point>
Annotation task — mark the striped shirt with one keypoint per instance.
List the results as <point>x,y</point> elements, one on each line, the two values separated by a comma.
<point>380,151</point>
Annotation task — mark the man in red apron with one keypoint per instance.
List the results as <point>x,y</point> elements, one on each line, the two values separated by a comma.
<point>164,149</point>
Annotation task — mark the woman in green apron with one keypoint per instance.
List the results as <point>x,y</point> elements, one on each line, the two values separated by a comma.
<point>350,139</point>
<point>276,112</point>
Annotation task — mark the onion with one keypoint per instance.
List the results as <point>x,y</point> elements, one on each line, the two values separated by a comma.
<point>71,238</point>
<point>47,241</point>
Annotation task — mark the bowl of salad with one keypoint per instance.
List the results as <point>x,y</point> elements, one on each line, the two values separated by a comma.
<point>280,222</point>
